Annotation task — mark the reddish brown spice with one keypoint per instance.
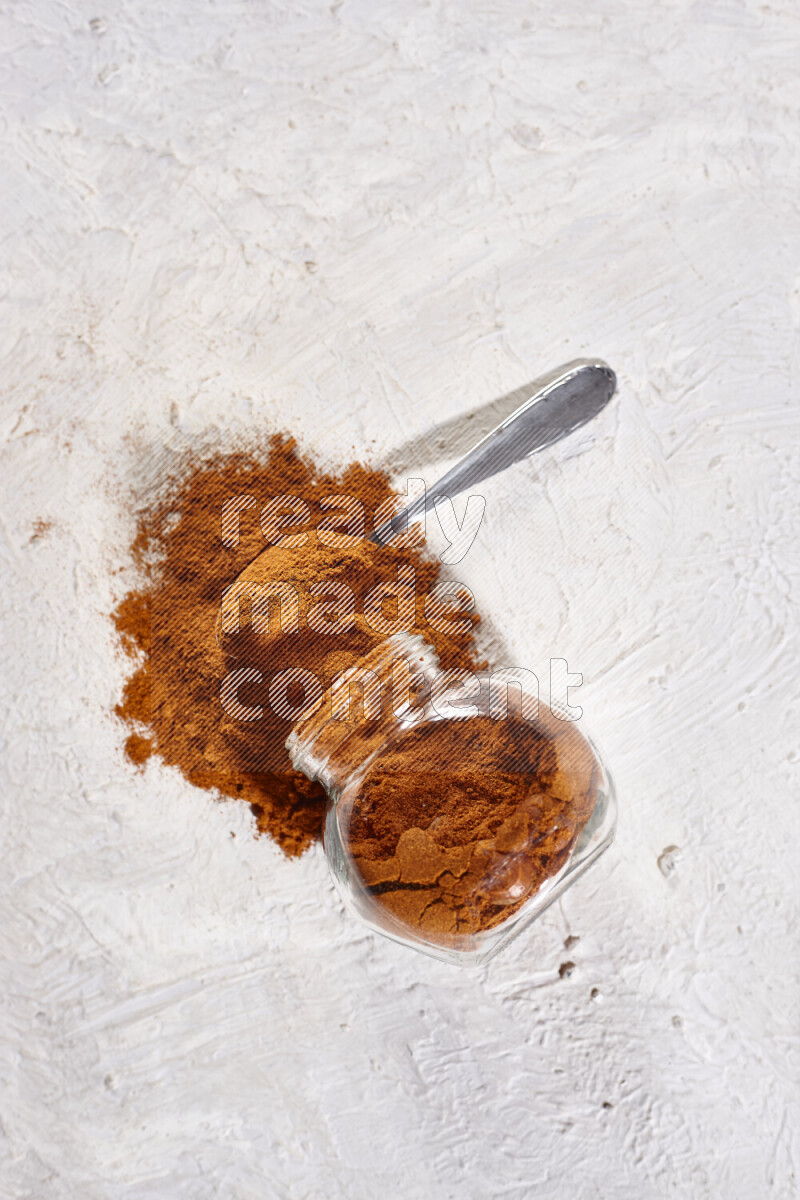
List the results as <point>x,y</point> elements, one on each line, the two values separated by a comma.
<point>458,823</point>
<point>169,624</point>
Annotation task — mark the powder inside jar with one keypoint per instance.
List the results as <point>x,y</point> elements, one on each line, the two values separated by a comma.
<point>459,822</point>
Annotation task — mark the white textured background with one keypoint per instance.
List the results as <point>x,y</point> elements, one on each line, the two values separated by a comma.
<point>358,221</point>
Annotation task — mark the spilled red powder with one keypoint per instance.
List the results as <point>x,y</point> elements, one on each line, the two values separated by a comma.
<point>171,701</point>
<point>41,526</point>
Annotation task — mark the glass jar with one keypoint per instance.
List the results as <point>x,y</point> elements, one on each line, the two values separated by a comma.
<point>459,807</point>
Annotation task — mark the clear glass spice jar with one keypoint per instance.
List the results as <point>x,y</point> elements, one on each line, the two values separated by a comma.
<point>460,806</point>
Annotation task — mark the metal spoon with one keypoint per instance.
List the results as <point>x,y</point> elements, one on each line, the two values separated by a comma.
<point>564,400</point>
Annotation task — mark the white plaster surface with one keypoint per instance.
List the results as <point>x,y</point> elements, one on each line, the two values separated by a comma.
<point>357,222</point>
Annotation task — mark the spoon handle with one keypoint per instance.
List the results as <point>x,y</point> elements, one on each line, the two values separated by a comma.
<point>563,401</point>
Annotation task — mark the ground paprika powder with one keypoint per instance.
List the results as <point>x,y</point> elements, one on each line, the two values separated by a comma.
<point>169,624</point>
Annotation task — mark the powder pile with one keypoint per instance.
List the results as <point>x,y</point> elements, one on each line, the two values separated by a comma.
<point>277,620</point>
<point>170,624</point>
<point>459,822</point>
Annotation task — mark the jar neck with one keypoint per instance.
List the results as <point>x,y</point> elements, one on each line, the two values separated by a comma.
<point>388,686</point>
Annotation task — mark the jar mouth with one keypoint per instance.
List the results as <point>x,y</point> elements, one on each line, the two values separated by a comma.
<point>391,681</point>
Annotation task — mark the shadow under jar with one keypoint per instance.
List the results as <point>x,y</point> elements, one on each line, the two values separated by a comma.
<point>458,811</point>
